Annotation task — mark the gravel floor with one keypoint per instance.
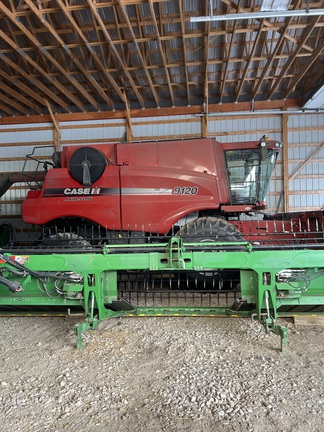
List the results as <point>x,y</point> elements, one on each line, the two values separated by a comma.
<point>159,374</point>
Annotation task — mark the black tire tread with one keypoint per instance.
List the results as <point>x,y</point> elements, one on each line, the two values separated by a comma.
<point>216,228</point>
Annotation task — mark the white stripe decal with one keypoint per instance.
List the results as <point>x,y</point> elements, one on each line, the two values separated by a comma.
<point>146,191</point>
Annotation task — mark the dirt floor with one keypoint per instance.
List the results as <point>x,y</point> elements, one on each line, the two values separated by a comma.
<point>159,374</point>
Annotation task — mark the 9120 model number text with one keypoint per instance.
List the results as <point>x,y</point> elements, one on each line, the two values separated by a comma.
<point>187,190</point>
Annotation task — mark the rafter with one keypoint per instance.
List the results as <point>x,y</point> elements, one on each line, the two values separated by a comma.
<point>114,50</point>
<point>184,47</point>
<point>12,103</point>
<point>163,56</point>
<point>34,81</point>
<point>23,87</point>
<point>227,63</point>
<point>110,55</point>
<point>40,15</point>
<point>92,52</point>
<point>240,29</point>
<point>16,95</point>
<point>266,22</point>
<point>49,57</point>
<point>317,78</point>
<point>291,59</point>
<point>248,62</point>
<point>139,51</point>
<point>304,69</point>
<point>33,63</point>
<point>206,60</point>
<point>271,58</point>
<point>7,110</point>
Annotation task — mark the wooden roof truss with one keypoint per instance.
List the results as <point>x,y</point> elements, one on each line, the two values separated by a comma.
<point>91,56</point>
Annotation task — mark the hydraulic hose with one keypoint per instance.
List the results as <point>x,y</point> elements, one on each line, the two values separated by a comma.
<point>36,274</point>
<point>12,285</point>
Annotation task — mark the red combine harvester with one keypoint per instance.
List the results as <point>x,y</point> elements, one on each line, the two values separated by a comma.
<point>197,188</point>
<point>154,187</point>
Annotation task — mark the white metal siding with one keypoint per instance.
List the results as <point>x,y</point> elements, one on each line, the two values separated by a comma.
<point>306,136</point>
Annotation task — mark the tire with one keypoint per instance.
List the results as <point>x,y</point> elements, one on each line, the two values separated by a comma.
<point>65,240</point>
<point>212,229</point>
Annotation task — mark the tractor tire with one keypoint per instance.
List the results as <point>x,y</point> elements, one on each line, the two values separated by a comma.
<point>212,229</point>
<point>65,240</point>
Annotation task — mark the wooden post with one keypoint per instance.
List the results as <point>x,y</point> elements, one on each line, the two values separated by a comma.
<point>57,133</point>
<point>204,120</point>
<point>129,135</point>
<point>204,126</point>
<point>285,119</point>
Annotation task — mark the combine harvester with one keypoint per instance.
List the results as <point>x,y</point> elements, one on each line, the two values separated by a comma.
<point>162,229</point>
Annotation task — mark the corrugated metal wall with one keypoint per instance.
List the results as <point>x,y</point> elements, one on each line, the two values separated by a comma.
<point>305,138</point>
<point>306,143</point>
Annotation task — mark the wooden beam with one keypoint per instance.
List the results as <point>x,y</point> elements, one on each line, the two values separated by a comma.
<point>184,47</point>
<point>285,162</point>
<point>301,73</point>
<point>139,52</point>
<point>175,19</point>
<point>292,58</point>
<point>15,82</point>
<point>92,52</point>
<point>12,103</point>
<point>306,162</point>
<point>18,96</point>
<point>34,81</point>
<point>265,69</point>
<point>41,16</point>
<point>57,133</point>
<point>7,110</point>
<point>206,58</point>
<point>129,133</point>
<point>154,112</point>
<point>114,50</point>
<point>227,62</point>
<point>164,60</point>
<point>204,127</point>
<point>44,52</point>
<point>267,23</point>
<point>248,61</point>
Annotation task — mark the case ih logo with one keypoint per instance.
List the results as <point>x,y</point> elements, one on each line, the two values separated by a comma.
<point>82,191</point>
